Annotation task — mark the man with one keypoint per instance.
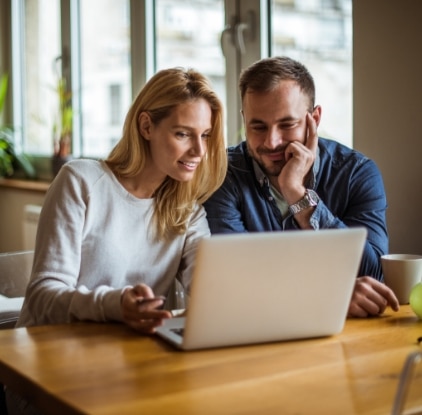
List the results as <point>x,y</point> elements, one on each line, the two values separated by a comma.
<point>284,177</point>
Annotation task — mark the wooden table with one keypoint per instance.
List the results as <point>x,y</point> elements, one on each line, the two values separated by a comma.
<point>89,368</point>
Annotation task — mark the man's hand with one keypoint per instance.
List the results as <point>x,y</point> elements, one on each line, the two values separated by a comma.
<point>142,316</point>
<point>370,298</point>
<point>300,158</point>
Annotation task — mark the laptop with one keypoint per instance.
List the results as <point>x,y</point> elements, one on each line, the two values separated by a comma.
<point>265,287</point>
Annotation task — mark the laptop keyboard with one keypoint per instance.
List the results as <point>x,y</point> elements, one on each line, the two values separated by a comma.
<point>180,331</point>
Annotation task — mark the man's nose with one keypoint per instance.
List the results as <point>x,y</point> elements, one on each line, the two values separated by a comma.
<point>273,138</point>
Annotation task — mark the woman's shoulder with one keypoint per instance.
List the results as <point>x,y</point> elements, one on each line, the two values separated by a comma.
<point>85,165</point>
<point>81,172</point>
<point>84,168</point>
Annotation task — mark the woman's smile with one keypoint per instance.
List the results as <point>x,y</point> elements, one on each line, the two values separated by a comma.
<point>191,165</point>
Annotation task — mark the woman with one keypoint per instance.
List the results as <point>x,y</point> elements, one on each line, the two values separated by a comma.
<point>114,232</point>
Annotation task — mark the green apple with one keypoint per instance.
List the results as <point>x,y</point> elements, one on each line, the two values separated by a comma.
<point>415,299</point>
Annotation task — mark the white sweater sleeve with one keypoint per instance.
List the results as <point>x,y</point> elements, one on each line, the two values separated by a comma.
<point>53,294</point>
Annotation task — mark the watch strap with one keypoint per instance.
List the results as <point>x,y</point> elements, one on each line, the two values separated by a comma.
<point>310,199</point>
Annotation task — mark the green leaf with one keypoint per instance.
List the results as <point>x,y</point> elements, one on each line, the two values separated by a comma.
<point>3,90</point>
<point>6,160</point>
<point>25,165</point>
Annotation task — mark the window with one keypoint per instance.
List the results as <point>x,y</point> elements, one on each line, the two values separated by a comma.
<point>188,34</point>
<point>107,59</point>
<point>105,80</point>
<point>40,43</point>
<point>115,104</point>
<point>318,33</point>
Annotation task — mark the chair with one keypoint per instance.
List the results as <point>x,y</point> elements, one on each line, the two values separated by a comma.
<point>15,270</point>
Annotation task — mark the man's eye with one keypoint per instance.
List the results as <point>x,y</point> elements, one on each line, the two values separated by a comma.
<point>259,127</point>
<point>287,126</point>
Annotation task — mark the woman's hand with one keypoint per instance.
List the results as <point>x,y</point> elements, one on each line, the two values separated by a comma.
<point>142,316</point>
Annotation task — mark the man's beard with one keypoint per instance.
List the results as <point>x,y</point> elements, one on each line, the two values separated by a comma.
<point>271,169</point>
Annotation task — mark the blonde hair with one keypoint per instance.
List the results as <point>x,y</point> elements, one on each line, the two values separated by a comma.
<point>174,201</point>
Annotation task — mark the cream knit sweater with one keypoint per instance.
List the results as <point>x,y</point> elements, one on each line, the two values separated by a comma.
<point>94,239</point>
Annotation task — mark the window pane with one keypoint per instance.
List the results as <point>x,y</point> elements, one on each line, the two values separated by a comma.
<point>318,33</point>
<point>105,73</point>
<point>188,34</point>
<point>41,48</point>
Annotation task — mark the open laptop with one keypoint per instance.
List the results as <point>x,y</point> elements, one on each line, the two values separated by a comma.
<point>272,286</point>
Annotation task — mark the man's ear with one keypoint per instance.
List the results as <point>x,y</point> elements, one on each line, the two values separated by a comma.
<point>145,125</point>
<point>316,114</point>
<point>243,116</point>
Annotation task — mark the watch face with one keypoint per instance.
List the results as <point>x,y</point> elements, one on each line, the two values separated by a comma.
<point>313,197</point>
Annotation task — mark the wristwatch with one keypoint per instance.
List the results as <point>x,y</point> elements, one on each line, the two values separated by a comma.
<point>310,199</point>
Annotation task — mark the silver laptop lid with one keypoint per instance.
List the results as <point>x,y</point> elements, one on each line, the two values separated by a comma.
<point>260,287</point>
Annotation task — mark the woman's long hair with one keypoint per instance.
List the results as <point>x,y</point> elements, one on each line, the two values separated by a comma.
<point>174,200</point>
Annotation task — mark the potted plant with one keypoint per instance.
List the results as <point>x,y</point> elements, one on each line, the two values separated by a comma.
<point>10,161</point>
<point>62,127</point>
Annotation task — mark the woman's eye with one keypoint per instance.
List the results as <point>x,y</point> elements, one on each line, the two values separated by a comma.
<point>206,136</point>
<point>182,135</point>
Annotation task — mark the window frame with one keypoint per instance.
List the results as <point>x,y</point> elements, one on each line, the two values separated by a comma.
<point>143,59</point>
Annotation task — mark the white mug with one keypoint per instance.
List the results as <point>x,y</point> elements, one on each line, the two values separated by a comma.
<point>401,273</point>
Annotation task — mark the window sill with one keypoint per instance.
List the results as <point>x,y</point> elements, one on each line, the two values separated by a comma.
<point>34,185</point>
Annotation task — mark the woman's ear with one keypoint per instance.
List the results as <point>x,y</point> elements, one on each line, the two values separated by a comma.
<point>145,125</point>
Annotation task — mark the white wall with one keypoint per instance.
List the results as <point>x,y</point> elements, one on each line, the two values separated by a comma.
<point>388,108</point>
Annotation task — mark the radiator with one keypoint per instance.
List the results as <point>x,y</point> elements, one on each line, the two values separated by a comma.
<point>29,227</point>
